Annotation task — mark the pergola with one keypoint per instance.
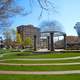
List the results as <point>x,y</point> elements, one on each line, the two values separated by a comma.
<point>50,38</point>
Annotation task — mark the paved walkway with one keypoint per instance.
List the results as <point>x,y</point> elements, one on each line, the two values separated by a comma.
<point>47,64</point>
<point>41,72</point>
<point>43,50</point>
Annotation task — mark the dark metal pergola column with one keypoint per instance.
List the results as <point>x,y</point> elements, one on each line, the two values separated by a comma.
<point>34,42</point>
<point>48,42</point>
<point>52,41</point>
<point>65,45</point>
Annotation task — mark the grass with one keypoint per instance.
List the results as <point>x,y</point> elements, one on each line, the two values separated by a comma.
<point>40,68</point>
<point>3,51</point>
<point>40,77</point>
<point>30,55</point>
<point>40,62</point>
<point>13,55</point>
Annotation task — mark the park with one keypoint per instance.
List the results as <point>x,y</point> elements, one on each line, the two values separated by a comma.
<point>39,49</point>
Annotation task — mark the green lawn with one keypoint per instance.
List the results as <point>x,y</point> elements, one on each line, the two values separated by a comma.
<point>36,68</point>
<point>26,55</point>
<point>40,77</point>
<point>39,68</point>
<point>13,55</point>
<point>38,62</point>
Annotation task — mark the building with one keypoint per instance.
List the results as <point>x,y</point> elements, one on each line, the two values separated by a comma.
<point>26,31</point>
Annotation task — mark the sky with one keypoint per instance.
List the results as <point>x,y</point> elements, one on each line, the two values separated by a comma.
<point>67,13</point>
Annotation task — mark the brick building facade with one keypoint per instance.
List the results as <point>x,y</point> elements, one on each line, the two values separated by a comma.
<point>29,31</point>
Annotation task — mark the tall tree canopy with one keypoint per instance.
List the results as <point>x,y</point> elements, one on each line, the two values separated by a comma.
<point>10,8</point>
<point>51,26</point>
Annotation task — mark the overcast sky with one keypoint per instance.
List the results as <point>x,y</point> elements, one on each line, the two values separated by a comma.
<point>68,13</point>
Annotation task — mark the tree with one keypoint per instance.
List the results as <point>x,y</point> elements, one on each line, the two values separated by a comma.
<point>13,34</point>
<point>8,10</point>
<point>28,42</point>
<point>7,36</point>
<point>18,38</point>
<point>45,5</point>
<point>77,28</point>
<point>51,26</point>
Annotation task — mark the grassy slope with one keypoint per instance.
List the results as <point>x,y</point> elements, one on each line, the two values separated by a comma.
<point>40,77</point>
<point>44,68</point>
<point>57,55</point>
<point>40,68</point>
<point>38,62</point>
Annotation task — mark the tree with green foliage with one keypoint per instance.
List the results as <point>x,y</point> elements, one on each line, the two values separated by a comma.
<point>18,39</point>
<point>28,42</point>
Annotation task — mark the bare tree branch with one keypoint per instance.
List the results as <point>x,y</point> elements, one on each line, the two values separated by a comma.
<point>9,9</point>
<point>46,5</point>
<point>41,5</point>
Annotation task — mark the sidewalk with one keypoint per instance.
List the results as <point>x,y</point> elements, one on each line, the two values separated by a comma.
<point>44,64</point>
<point>41,72</point>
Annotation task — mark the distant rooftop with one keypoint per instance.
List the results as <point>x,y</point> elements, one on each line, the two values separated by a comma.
<point>29,25</point>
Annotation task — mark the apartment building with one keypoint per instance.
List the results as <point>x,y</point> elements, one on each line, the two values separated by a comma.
<point>26,31</point>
